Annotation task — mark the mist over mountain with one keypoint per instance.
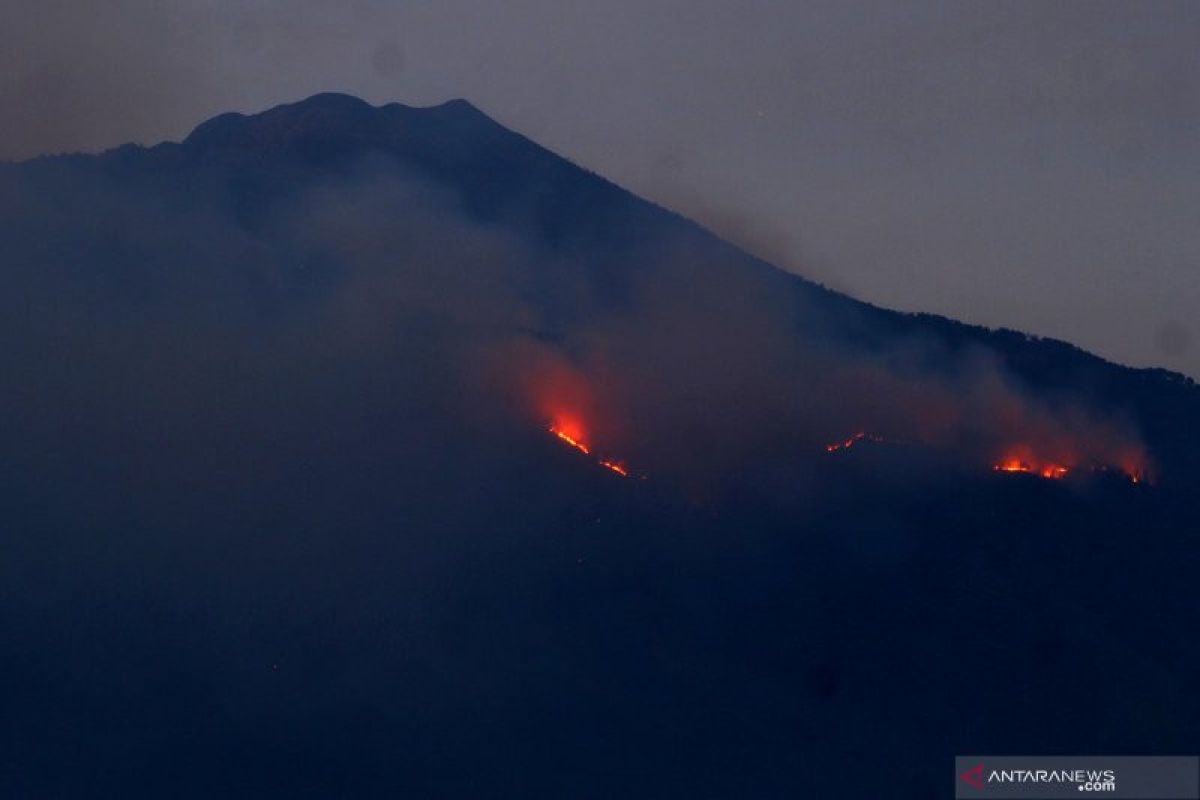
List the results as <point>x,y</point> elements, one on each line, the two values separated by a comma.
<point>286,514</point>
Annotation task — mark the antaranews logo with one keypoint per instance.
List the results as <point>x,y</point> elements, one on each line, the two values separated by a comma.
<point>1117,777</point>
<point>974,776</point>
<point>1083,780</point>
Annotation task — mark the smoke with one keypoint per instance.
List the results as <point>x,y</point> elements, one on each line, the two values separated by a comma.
<point>369,300</point>
<point>709,372</point>
<point>273,464</point>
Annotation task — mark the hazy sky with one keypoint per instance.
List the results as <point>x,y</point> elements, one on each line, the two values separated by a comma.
<point>1032,165</point>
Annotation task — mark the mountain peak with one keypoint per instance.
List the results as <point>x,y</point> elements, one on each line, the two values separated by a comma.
<point>456,105</point>
<point>330,100</point>
<point>326,115</point>
<point>325,122</point>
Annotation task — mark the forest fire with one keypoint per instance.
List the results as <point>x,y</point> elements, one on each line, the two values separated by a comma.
<point>1025,462</point>
<point>1023,459</point>
<point>565,399</point>
<point>1053,471</point>
<point>571,440</point>
<point>853,440</point>
<point>571,433</point>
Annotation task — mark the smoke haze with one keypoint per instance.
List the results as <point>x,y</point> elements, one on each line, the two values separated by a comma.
<point>281,514</point>
<point>1024,164</point>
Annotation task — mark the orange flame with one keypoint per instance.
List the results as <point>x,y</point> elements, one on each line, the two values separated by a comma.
<point>1045,470</point>
<point>1029,464</point>
<point>571,440</point>
<point>570,431</point>
<point>853,440</point>
<point>1022,458</point>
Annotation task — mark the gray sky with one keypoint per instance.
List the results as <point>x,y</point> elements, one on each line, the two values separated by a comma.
<point>1033,165</point>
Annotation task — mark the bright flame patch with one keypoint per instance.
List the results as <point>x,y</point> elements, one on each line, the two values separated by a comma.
<point>571,440</point>
<point>853,440</point>
<point>1022,459</point>
<point>1031,465</point>
<point>616,467</point>
<point>572,434</point>
<point>1053,471</point>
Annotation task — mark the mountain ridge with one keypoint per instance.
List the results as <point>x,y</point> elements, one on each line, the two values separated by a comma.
<point>303,441</point>
<point>222,130</point>
<point>505,179</point>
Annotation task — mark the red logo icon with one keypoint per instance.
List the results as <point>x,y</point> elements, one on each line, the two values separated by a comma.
<point>974,776</point>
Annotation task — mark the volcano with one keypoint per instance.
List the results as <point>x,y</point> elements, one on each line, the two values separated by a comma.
<point>311,433</point>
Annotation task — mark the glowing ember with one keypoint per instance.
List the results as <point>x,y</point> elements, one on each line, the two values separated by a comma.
<point>572,433</point>
<point>1043,469</point>
<point>1047,469</point>
<point>571,440</point>
<point>853,440</point>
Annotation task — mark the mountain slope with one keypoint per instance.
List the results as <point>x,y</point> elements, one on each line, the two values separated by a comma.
<point>500,178</point>
<point>281,514</point>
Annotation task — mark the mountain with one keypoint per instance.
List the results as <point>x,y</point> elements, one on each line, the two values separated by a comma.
<point>501,178</point>
<point>304,437</point>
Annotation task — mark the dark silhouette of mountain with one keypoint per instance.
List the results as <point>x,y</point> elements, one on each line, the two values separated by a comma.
<point>503,178</point>
<point>281,514</point>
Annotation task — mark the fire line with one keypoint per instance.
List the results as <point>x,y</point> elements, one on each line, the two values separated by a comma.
<point>853,440</point>
<point>1022,461</point>
<point>573,439</point>
<point>1053,471</point>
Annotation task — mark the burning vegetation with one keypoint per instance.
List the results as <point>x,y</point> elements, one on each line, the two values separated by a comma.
<point>1020,459</point>
<point>1025,463</point>
<point>616,467</point>
<point>846,444</point>
<point>1024,459</point>
<point>565,398</point>
<point>1014,464</point>
<point>571,440</point>
<point>590,409</point>
<point>570,431</point>
<point>1045,463</point>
